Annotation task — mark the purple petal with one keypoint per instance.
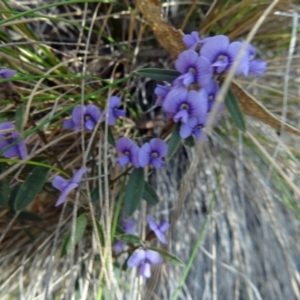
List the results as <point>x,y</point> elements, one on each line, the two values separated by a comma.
<point>157,163</point>
<point>221,65</point>
<point>23,153</point>
<point>204,71</point>
<point>159,146</point>
<point>173,100</point>
<point>134,155</point>
<point>111,117</point>
<point>251,52</point>
<point>6,73</point>
<point>198,133</point>
<point>123,160</point>
<point>214,46</point>
<point>68,124</point>
<point>233,50</point>
<point>89,125</point>
<point>182,116</point>
<point>119,247</point>
<point>164,226</point>
<point>129,226</point>
<point>136,258</point>
<point>120,112</point>
<point>185,130</point>
<point>145,155</point>
<point>94,112</point>
<point>78,175</point>
<point>161,92</point>
<point>11,152</point>
<point>145,270</point>
<point>186,79</point>
<point>3,142</point>
<point>59,183</point>
<point>198,103</point>
<point>63,196</point>
<point>124,144</point>
<point>257,67</point>
<point>114,102</point>
<point>191,40</point>
<point>78,114</point>
<point>5,126</point>
<point>161,237</point>
<point>153,257</point>
<point>151,222</point>
<point>186,60</point>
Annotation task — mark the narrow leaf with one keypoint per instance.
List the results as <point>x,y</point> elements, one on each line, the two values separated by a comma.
<point>20,118</point>
<point>235,111</point>
<point>159,74</point>
<point>134,191</point>
<point>149,194</point>
<point>4,187</point>
<point>111,138</point>
<point>129,238</point>
<point>172,259</point>
<point>31,187</point>
<point>81,223</point>
<point>190,142</point>
<point>174,141</point>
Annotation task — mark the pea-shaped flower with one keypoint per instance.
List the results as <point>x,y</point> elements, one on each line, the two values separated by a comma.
<point>113,110</point>
<point>151,153</point>
<point>159,229</point>
<point>82,115</point>
<point>66,186</point>
<point>144,259</point>
<point>129,228</point>
<point>129,150</point>
<point>8,135</point>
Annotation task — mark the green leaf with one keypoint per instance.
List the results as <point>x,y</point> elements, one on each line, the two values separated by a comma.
<point>190,142</point>
<point>13,195</point>
<point>20,117</point>
<point>128,238</point>
<point>134,191</point>
<point>159,74</point>
<point>29,216</point>
<point>174,141</point>
<point>4,187</point>
<point>149,194</point>
<point>81,223</point>
<point>170,258</point>
<point>235,111</point>
<point>31,187</point>
<point>100,233</point>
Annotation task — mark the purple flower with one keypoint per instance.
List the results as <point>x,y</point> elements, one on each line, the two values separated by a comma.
<point>9,135</point>
<point>257,67</point>
<point>129,228</point>
<point>161,91</point>
<point>221,54</point>
<point>152,153</point>
<point>212,91</point>
<point>89,114</point>
<point>130,152</point>
<point>144,259</point>
<point>180,104</point>
<point>66,186</point>
<point>193,126</point>
<point>192,41</point>
<point>158,229</point>
<point>113,111</point>
<point>6,73</point>
<point>194,69</point>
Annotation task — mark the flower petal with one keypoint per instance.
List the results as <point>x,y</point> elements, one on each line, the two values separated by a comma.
<point>257,67</point>
<point>129,226</point>
<point>94,112</point>
<point>164,226</point>
<point>123,160</point>
<point>144,155</point>
<point>78,114</point>
<point>124,144</point>
<point>68,124</point>
<point>114,102</point>
<point>157,163</point>
<point>63,196</point>
<point>159,146</point>
<point>191,40</point>
<point>134,155</point>
<point>198,103</point>
<point>204,72</point>
<point>161,237</point>
<point>11,152</point>
<point>214,46</point>
<point>173,100</point>
<point>6,126</point>
<point>185,130</point>
<point>89,125</point>
<point>76,178</point>
<point>6,73</point>
<point>145,270</point>
<point>151,222</point>
<point>136,258</point>
<point>59,183</point>
<point>186,59</point>
<point>119,247</point>
<point>23,153</point>
<point>154,257</point>
<point>182,116</point>
<point>233,51</point>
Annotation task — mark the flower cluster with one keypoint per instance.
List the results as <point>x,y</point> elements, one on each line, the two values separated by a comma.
<point>150,153</point>
<point>192,94</point>
<point>144,258</point>
<point>88,116</point>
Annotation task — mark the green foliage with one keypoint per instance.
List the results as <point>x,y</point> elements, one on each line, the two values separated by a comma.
<point>31,187</point>
<point>170,258</point>
<point>149,194</point>
<point>235,111</point>
<point>134,191</point>
<point>159,74</point>
<point>4,187</point>
<point>174,141</point>
<point>129,238</point>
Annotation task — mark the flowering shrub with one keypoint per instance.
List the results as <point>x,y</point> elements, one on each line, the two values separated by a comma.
<point>186,99</point>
